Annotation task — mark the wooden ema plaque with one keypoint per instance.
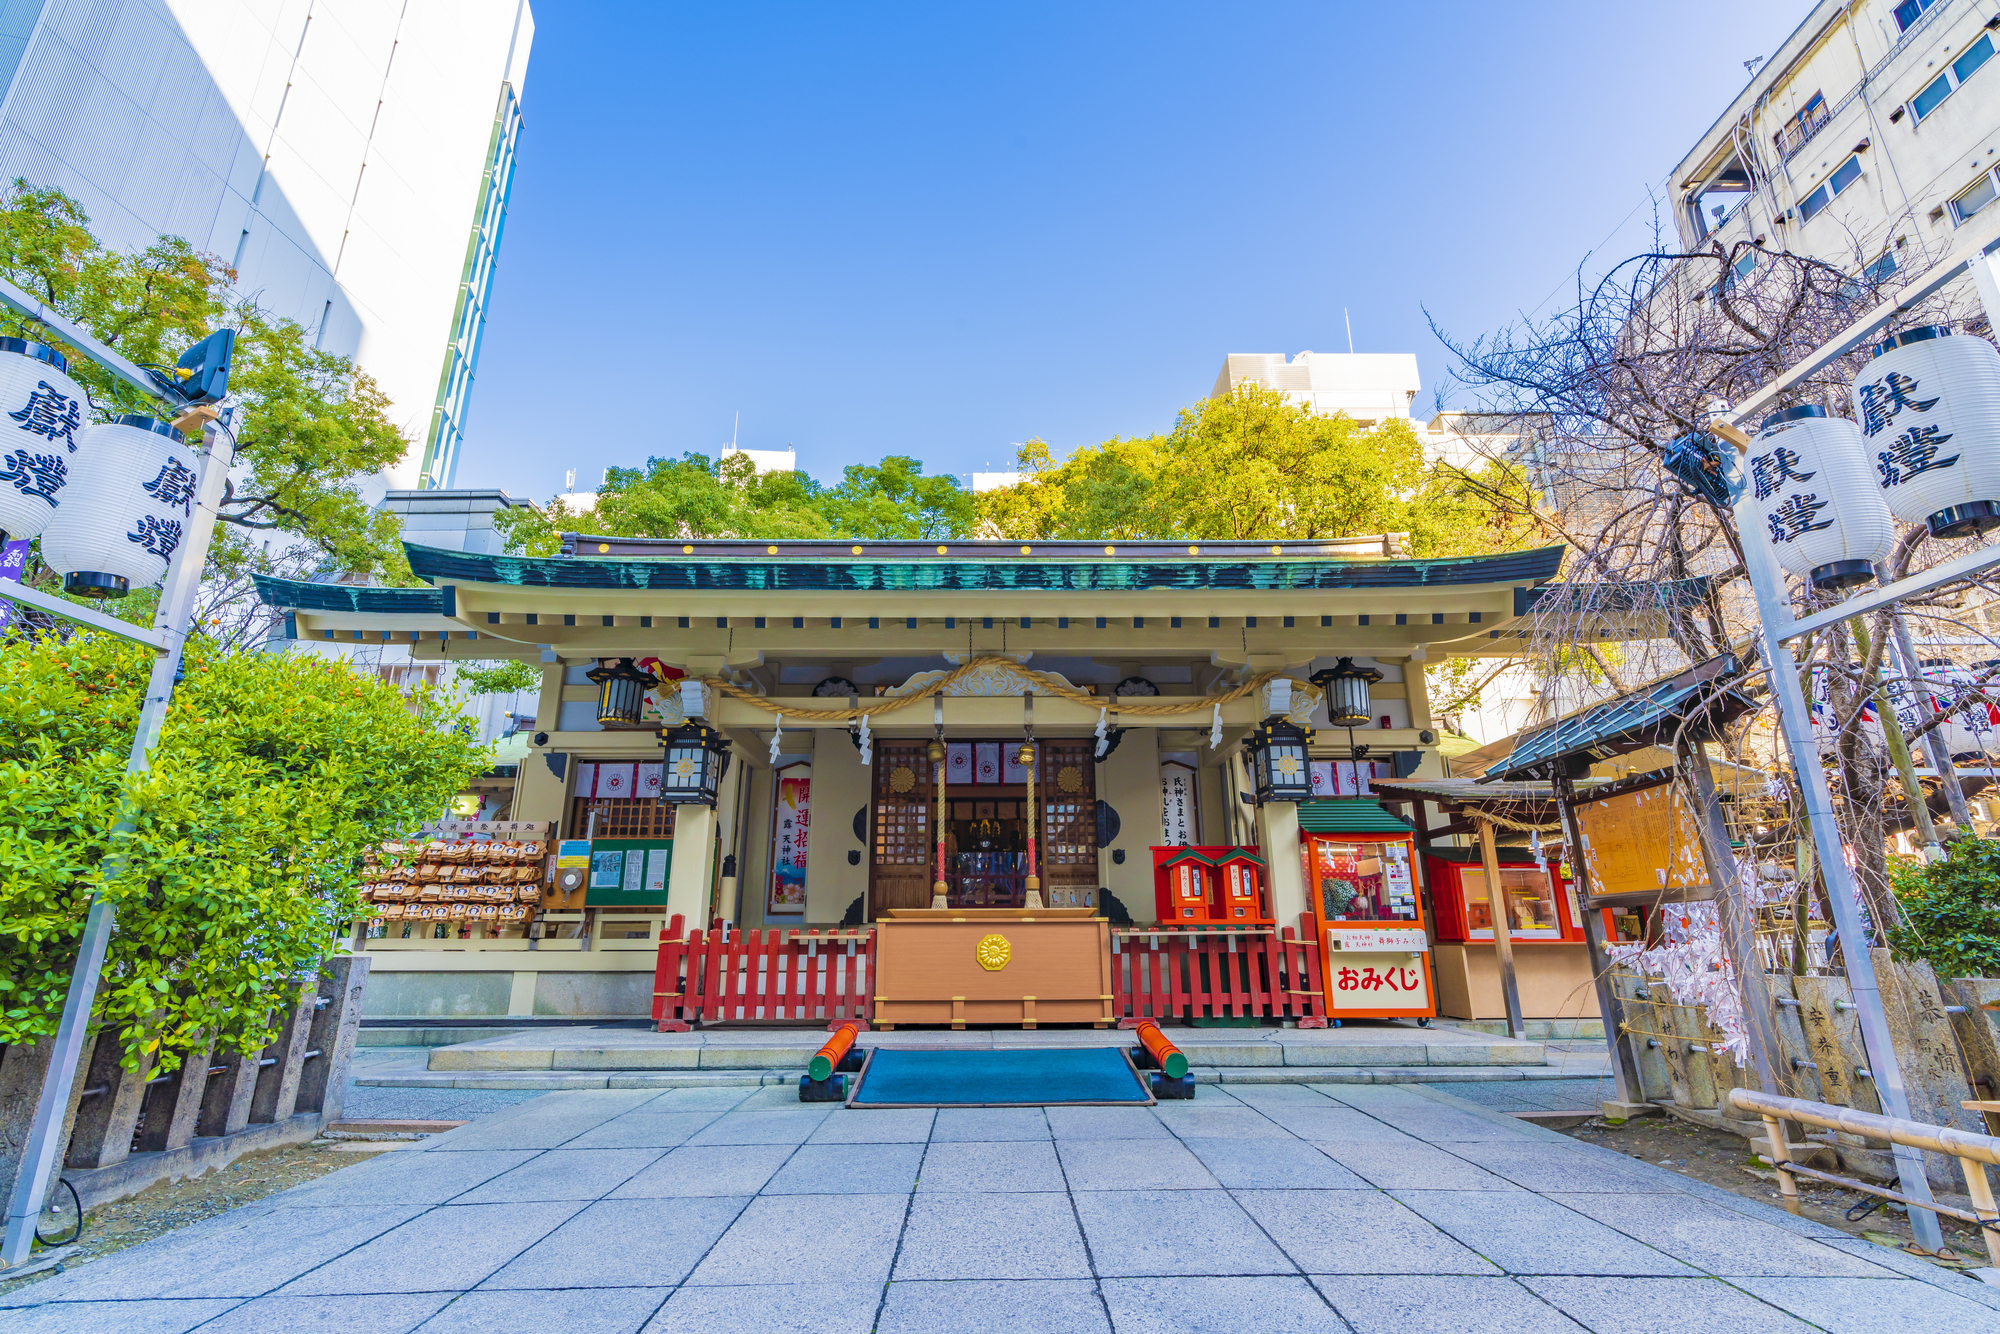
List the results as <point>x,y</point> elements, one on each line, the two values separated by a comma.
<point>992,966</point>
<point>1642,844</point>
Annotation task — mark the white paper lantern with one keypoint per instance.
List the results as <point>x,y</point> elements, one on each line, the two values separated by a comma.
<point>1810,487</point>
<point>125,510</point>
<point>1929,408</point>
<point>41,416</point>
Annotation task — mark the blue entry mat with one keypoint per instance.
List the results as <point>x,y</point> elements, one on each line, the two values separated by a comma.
<point>1026,1077</point>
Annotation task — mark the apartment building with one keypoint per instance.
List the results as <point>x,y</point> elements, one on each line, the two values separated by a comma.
<point>1864,141</point>
<point>350,158</point>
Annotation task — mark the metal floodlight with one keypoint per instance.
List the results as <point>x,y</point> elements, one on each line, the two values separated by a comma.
<point>202,373</point>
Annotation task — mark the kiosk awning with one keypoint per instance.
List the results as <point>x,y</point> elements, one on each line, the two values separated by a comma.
<point>1349,815</point>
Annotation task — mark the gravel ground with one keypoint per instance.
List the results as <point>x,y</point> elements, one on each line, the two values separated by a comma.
<point>1721,1159</point>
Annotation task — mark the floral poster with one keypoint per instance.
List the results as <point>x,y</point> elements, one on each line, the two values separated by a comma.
<point>791,827</point>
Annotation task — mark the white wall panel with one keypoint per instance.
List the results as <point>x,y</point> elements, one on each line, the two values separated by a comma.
<point>275,133</point>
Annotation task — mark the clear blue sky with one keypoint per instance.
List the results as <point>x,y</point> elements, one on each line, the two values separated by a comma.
<point>938,229</point>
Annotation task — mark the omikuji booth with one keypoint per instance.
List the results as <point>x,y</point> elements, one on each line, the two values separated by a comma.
<point>902,742</point>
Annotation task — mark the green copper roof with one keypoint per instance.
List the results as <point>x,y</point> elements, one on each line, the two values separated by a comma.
<point>304,595</point>
<point>997,567</point>
<point>1349,815</point>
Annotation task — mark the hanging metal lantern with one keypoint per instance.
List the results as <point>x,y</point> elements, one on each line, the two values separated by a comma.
<point>1929,408</point>
<point>621,691</point>
<point>131,490</point>
<point>1809,479</point>
<point>1278,762</point>
<point>697,758</point>
<point>1346,687</point>
<point>43,413</point>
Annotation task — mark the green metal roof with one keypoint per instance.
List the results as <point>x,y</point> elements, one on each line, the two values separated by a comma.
<point>1195,855</point>
<point>994,567</point>
<point>302,595</point>
<point>1349,815</point>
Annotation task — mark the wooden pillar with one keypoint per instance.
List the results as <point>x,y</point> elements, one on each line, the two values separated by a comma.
<point>1278,841</point>
<point>1739,932</point>
<point>688,872</point>
<point>1624,1057</point>
<point>1503,941</point>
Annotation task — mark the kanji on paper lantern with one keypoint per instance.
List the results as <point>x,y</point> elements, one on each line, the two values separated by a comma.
<point>130,494</point>
<point>41,414</point>
<point>1809,487</point>
<point>1929,409</point>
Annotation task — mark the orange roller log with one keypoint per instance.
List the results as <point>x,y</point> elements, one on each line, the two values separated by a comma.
<point>1169,1058</point>
<point>830,1056</point>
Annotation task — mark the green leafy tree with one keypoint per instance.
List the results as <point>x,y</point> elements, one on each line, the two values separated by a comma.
<point>1951,910</point>
<point>1251,465</point>
<point>696,496</point>
<point>691,496</point>
<point>893,499</point>
<point>273,773</point>
<point>495,678</point>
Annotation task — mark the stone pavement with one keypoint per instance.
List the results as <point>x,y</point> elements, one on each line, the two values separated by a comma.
<point>1263,1208</point>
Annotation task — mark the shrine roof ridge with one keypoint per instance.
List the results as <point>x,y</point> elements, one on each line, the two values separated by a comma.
<point>979,566</point>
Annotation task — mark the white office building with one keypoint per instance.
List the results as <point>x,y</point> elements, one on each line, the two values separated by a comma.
<point>1865,141</point>
<point>351,159</point>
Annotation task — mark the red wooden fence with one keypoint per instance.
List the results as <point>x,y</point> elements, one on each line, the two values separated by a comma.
<point>809,976</point>
<point>1217,973</point>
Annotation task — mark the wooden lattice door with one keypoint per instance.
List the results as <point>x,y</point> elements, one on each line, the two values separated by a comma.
<point>1066,792</point>
<point>905,835</point>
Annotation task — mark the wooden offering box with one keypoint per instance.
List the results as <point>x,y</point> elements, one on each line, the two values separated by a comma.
<point>1196,886</point>
<point>992,966</point>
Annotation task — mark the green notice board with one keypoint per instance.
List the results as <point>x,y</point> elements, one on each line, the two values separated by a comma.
<point>628,873</point>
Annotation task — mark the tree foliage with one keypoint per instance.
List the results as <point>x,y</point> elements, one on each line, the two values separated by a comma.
<point>272,774</point>
<point>1951,910</point>
<point>1253,465</point>
<point>696,496</point>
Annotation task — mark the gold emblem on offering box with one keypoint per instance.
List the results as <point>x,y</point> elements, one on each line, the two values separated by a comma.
<point>902,779</point>
<point>993,953</point>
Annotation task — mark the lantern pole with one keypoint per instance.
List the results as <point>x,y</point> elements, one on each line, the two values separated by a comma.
<point>1775,625</point>
<point>940,891</point>
<point>1031,883</point>
<point>170,624</point>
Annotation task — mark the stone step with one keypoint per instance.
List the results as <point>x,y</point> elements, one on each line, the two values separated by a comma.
<point>668,1079</point>
<point>581,1050</point>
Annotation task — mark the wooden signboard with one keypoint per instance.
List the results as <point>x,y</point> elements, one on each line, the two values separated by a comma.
<point>1644,845</point>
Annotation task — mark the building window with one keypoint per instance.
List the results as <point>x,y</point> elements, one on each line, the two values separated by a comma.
<point>1909,12</point>
<point>1945,84</point>
<point>1878,272</point>
<point>1796,130</point>
<point>1973,198</point>
<point>1844,175</point>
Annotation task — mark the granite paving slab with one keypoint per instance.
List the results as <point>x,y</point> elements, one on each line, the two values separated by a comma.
<point>723,1209</point>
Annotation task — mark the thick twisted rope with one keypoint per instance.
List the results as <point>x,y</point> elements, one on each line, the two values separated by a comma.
<point>1125,704</point>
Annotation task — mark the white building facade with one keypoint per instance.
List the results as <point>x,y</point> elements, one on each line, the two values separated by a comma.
<point>1869,137</point>
<point>350,158</point>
